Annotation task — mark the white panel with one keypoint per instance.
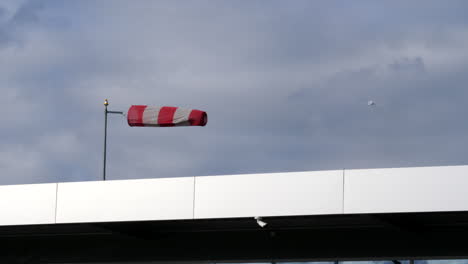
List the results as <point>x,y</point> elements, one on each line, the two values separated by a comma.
<point>276,194</point>
<point>406,190</point>
<point>128,200</point>
<point>27,204</point>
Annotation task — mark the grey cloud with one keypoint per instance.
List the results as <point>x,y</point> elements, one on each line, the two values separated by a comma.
<point>285,86</point>
<point>26,14</point>
<point>11,26</point>
<point>408,65</point>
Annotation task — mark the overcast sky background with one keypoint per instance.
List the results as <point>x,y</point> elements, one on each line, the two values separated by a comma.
<point>285,85</point>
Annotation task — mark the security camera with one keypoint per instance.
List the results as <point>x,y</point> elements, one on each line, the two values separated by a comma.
<point>260,221</point>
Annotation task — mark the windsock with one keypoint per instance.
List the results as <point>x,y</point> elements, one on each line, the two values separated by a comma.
<point>165,116</point>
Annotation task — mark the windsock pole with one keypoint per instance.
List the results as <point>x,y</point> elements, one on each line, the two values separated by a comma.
<point>106,103</point>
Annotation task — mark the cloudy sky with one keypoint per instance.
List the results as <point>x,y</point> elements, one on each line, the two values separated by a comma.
<point>285,84</point>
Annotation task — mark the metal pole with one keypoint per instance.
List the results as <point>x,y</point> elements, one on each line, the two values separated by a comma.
<point>106,112</point>
<point>106,103</point>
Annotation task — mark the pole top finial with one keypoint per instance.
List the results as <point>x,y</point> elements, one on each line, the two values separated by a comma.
<point>106,103</point>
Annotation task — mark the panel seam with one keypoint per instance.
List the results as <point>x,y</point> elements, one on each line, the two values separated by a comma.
<point>343,194</point>
<point>193,199</point>
<point>56,202</point>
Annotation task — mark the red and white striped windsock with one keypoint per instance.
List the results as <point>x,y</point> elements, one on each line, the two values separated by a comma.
<point>143,115</point>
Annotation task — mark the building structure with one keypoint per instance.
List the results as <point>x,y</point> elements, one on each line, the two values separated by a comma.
<point>400,213</point>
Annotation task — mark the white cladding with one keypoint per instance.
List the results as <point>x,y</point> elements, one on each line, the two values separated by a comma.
<point>426,189</point>
<point>128,200</point>
<point>249,195</point>
<point>28,204</point>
